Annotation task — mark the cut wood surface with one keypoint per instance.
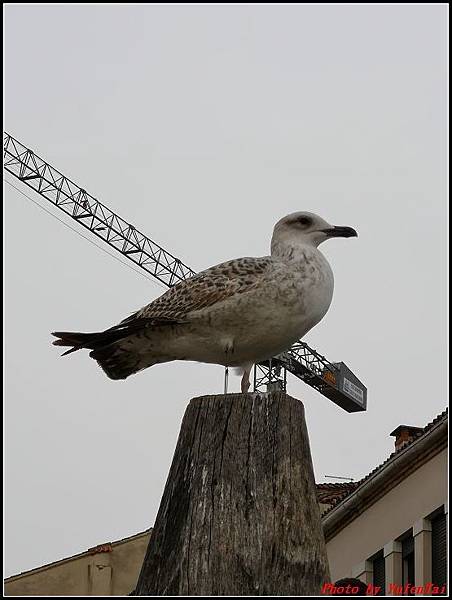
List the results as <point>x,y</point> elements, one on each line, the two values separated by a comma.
<point>239,514</point>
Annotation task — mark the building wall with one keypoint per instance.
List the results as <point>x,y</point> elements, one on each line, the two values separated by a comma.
<point>414,498</point>
<point>112,573</point>
<point>126,561</point>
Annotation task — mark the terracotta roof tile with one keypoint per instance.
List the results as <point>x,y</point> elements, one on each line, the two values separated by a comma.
<point>328,493</point>
<point>101,548</point>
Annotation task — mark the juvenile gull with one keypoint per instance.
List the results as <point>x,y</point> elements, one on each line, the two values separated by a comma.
<point>234,314</point>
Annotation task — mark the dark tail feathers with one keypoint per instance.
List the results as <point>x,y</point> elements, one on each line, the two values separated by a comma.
<point>92,341</point>
<point>117,360</point>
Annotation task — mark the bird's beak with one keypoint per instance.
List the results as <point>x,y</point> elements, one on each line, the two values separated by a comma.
<point>340,231</point>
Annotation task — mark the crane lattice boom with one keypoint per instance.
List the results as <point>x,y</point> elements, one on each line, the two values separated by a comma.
<point>92,214</point>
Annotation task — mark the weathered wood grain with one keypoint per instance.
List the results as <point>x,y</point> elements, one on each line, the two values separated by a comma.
<point>239,513</point>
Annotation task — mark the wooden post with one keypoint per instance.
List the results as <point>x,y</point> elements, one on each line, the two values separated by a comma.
<point>239,513</point>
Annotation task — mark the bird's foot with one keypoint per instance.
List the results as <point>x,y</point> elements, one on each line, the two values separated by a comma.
<point>245,386</point>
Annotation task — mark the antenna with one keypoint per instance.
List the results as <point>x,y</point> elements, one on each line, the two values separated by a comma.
<point>333,380</point>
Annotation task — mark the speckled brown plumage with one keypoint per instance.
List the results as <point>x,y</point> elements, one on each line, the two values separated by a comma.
<point>207,288</point>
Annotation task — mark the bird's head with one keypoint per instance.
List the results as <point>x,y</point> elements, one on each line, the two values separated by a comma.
<point>305,229</point>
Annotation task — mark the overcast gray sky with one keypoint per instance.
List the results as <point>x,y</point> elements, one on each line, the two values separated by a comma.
<point>202,126</point>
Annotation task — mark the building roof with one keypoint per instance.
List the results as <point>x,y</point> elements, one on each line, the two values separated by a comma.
<point>330,493</point>
<point>106,547</point>
<point>417,432</point>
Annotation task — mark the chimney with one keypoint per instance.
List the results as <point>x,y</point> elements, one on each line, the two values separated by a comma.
<point>405,433</point>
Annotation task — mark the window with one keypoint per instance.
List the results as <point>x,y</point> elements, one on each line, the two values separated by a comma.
<point>408,562</point>
<point>439,550</point>
<point>379,577</point>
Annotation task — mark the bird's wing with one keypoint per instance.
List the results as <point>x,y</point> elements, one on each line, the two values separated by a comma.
<point>205,289</point>
<point>176,306</point>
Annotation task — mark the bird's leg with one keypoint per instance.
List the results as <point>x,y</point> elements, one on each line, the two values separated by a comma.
<point>245,383</point>
<point>226,378</point>
<point>229,349</point>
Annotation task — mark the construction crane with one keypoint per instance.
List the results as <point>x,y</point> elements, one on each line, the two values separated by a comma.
<point>334,380</point>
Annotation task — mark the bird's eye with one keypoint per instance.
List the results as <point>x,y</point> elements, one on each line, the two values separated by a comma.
<point>304,221</point>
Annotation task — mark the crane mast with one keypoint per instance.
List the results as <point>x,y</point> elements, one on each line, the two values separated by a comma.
<point>334,380</point>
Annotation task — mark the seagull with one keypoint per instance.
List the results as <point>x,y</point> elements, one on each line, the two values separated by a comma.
<point>234,314</point>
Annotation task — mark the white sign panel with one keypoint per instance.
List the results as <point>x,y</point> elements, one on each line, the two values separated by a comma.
<point>354,391</point>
